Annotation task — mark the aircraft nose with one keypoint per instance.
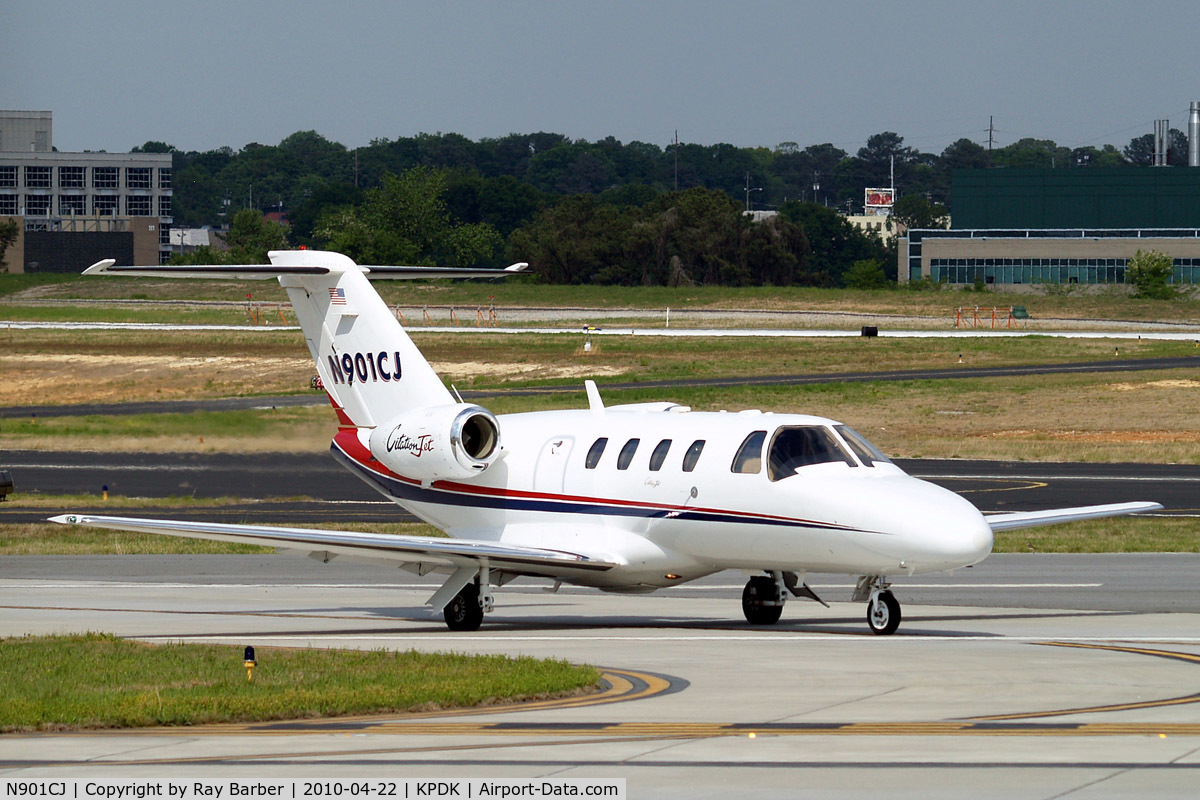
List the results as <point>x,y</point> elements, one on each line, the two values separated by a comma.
<point>936,528</point>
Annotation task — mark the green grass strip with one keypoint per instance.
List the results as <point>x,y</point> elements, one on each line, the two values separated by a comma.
<point>101,681</point>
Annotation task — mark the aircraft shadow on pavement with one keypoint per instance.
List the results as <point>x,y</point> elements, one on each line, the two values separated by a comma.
<point>410,620</point>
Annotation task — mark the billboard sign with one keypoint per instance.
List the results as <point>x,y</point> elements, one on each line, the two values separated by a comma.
<point>878,202</point>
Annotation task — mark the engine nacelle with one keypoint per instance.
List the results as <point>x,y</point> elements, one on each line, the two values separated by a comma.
<point>453,441</point>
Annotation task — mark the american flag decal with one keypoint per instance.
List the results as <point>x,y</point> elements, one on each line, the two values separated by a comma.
<point>337,297</point>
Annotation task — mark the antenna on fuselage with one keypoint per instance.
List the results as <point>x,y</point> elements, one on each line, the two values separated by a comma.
<point>593,396</point>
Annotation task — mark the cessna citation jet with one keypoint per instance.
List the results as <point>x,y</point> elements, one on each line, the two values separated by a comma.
<point>623,498</point>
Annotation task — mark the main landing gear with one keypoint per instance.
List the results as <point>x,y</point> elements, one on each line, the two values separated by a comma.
<point>764,596</point>
<point>464,611</point>
<point>472,598</point>
<point>883,609</point>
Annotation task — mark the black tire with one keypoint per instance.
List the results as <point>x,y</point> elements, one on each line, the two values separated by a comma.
<point>887,620</point>
<point>760,589</point>
<point>464,613</point>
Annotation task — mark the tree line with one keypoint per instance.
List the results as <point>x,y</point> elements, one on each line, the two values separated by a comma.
<point>604,211</point>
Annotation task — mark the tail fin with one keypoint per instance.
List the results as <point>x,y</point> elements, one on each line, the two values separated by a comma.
<point>369,365</point>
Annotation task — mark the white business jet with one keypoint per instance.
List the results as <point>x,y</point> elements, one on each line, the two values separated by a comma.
<point>624,498</point>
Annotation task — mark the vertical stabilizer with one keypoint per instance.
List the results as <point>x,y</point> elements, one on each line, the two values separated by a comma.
<point>369,365</point>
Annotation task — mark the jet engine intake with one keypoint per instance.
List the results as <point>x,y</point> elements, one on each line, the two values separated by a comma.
<point>438,442</point>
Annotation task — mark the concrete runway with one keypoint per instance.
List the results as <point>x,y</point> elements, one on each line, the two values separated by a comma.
<point>998,700</point>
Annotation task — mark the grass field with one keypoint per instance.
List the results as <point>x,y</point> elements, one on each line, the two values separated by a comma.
<point>99,681</point>
<point>1127,417</point>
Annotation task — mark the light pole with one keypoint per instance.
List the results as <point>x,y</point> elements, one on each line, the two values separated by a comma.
<point>749,190</point>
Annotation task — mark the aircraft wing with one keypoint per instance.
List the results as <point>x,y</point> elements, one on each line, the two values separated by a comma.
<point>375,546</point>
<point>1053,516</point>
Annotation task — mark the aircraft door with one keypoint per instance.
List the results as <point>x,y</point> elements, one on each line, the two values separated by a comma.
<point>550,473</point>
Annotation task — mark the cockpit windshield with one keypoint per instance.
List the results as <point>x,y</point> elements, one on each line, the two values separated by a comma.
<point>866,452</point>
<point>793,448</point>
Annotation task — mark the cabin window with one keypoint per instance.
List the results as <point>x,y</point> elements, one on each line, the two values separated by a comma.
<point>693,455</point>
<point>867,453</point>
<point>597,450</point>
<point>748,460</point>
<point>659,455</point>
<point>627,452</point>
<point>793,448</point>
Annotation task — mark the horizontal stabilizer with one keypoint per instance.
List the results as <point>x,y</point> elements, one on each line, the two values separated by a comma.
<point>404,549</point>
<point>1054,516</point>
<point>259,272</point>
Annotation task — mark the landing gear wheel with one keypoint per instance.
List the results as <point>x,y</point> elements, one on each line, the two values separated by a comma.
<point>759,590</point>
<point>883,615</point>
<point>464,613</point>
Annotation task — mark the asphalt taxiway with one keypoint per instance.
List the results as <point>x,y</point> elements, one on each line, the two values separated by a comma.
<point>1051,699</point>
<point>268,481</point>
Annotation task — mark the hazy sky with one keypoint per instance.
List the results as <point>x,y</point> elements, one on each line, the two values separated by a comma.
<point>201,75</point>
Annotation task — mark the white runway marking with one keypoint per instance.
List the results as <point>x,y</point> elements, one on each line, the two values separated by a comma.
<point>765,636</point>
<point>510,590</point>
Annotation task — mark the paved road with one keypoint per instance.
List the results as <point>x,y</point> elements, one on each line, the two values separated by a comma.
<point>272,477</point>
<point>967,700</point>
<point>954,372</point>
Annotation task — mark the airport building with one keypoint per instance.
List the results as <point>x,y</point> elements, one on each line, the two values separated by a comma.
<point>1065,225</point>
<point>1069,225</point>
<point>73,209</point>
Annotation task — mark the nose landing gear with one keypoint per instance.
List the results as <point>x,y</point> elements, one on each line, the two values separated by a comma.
<point>883,609</point>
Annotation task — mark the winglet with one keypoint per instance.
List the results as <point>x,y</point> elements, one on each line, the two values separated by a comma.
<point>520,266</point>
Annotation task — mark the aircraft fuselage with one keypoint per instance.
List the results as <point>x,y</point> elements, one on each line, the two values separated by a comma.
<point>639,502</point>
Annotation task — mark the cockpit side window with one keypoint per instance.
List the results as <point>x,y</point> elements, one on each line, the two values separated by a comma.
<point>597,450</point>
<point>793,448</point>
<point>867,453</point>
<point>748,460</point>
<point>693,455</point>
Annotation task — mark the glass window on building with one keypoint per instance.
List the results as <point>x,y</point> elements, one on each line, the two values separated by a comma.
<point>137,177</point>
<point>164,177</point>
<point>37,205</point>
<point>8,177</point>
<point>136,206</point>
<point>164,205</point>
<point>104,205</point>
<point>37,177</point>
<point>105,178</point>
<point>71,178</point>
<point>8,205</point>
<point>69,204</point>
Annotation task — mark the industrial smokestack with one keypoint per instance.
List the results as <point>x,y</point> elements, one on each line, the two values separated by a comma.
<point>1162,133</point>
<point>1194,134</point>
